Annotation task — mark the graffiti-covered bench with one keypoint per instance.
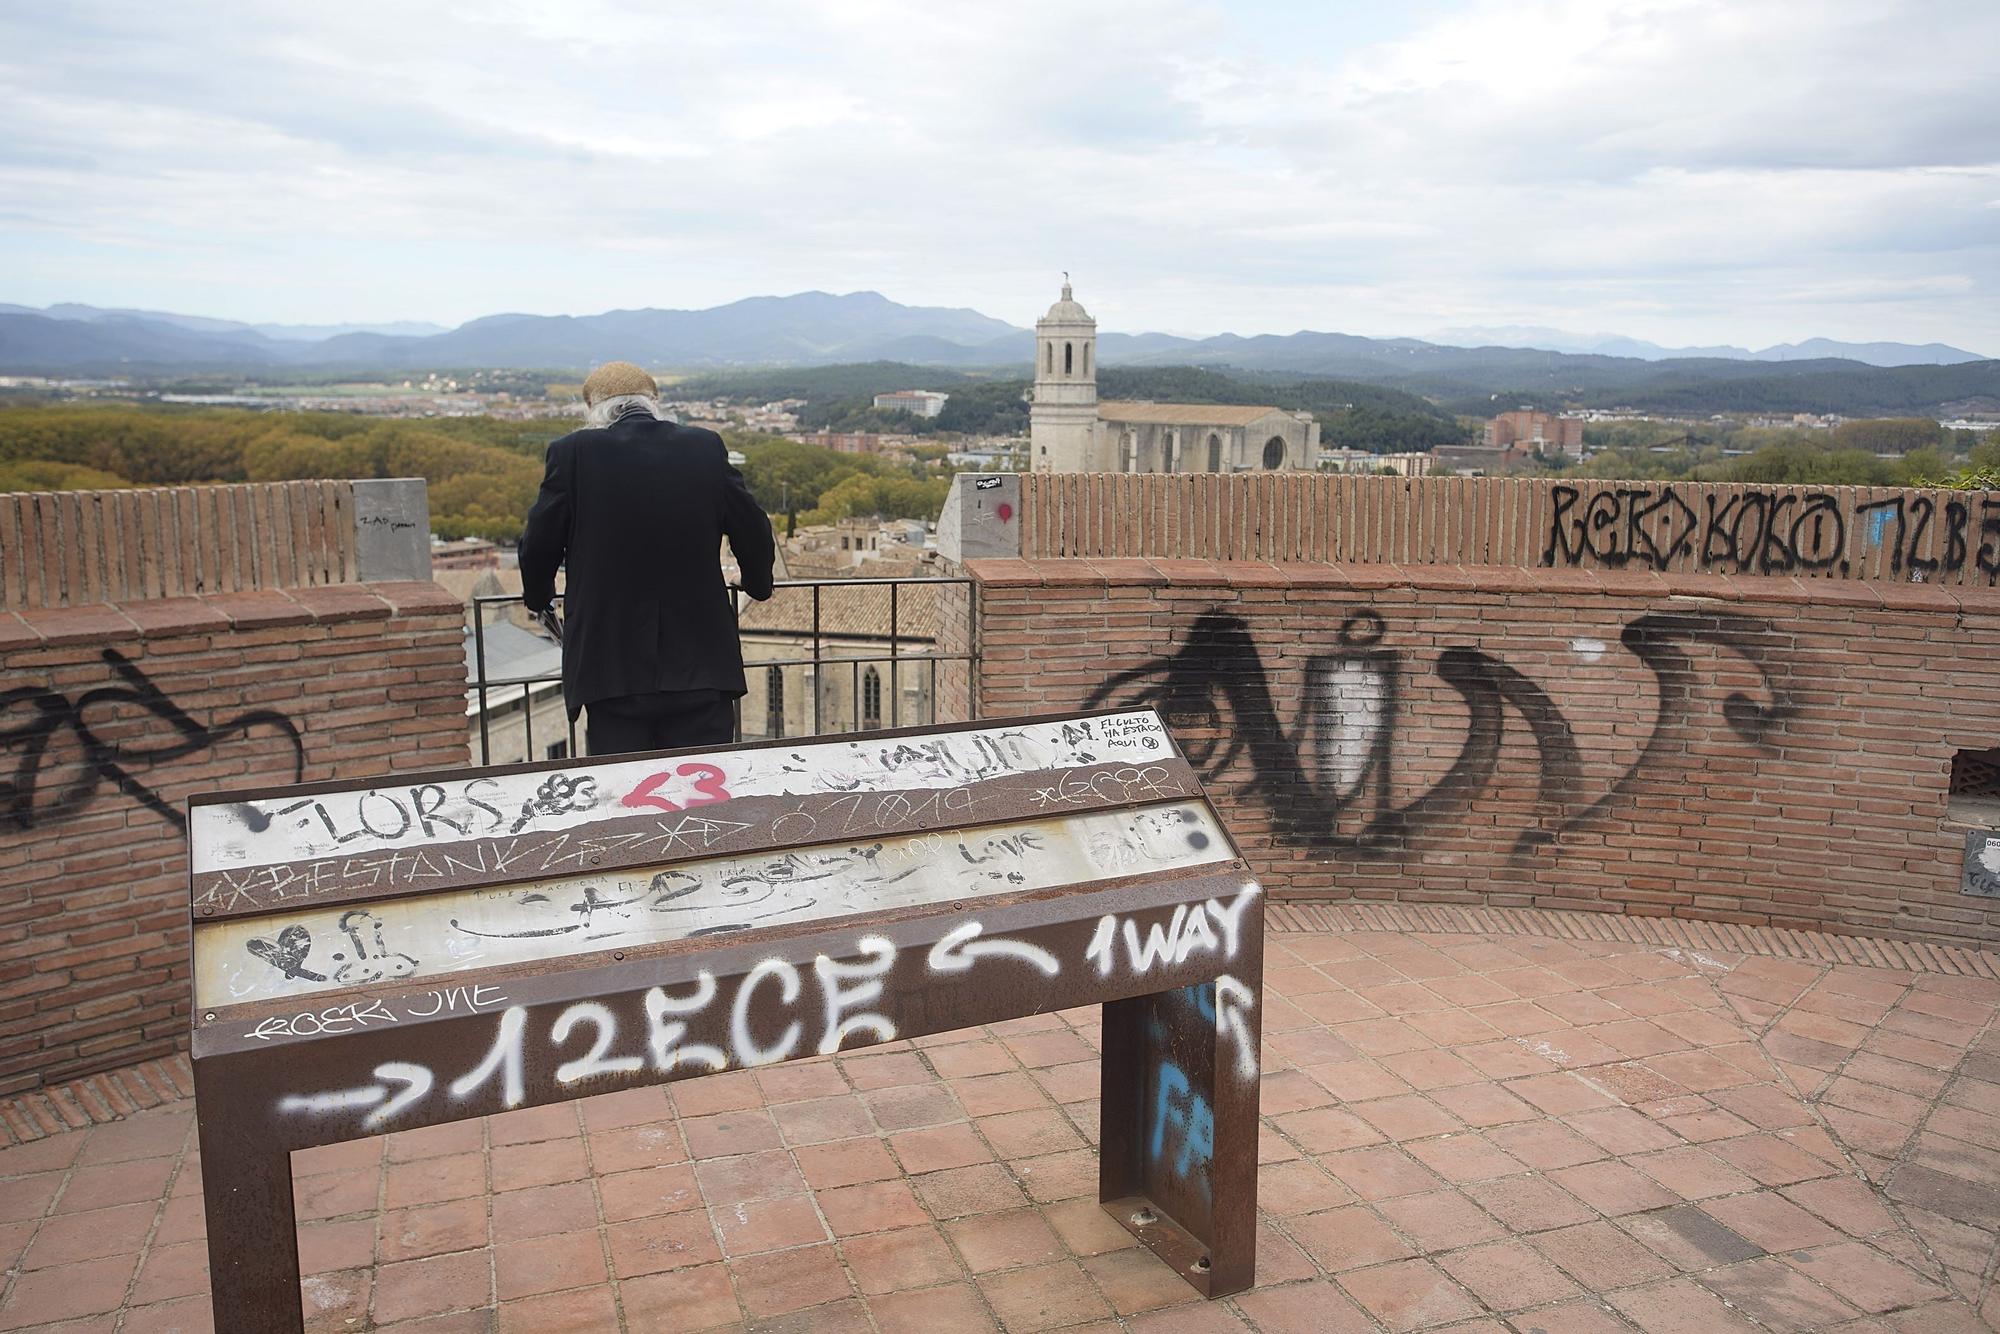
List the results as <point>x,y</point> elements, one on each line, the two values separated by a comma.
<point>373,958</point>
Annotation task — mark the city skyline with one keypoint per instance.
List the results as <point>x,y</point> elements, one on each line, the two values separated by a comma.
<point>1671,170</point>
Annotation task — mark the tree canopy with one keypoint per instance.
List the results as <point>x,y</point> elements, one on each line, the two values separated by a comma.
<point>482,472</point>
<point>1882,452</point>
<point>870,496</point>
<point>811,484</point>
<point>1889,435</point>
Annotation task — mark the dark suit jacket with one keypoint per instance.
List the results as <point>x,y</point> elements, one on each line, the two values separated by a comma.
<point>639,510</point>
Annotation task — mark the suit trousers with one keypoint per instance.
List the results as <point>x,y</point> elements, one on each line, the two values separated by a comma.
<point>663,720</point>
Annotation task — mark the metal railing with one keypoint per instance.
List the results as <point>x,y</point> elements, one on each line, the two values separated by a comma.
<point>829,647</point>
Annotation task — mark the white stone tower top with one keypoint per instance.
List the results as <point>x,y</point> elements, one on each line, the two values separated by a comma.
<point>1066,344</point>
<point>1067,310</point>
<point>1062,419</point>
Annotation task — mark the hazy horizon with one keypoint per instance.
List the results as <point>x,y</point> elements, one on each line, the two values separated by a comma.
<point>1684,172</point>
<point>1561,340</point>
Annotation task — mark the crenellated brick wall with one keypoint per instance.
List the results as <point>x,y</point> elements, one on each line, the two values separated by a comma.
<point>113,712</point>
<point>1758,749</point>
<point>1844,533</point>
<point>75,548</point>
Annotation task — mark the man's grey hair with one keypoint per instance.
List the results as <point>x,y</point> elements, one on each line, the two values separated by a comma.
<point>606,411</point>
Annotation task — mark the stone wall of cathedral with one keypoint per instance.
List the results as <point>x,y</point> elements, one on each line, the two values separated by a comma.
<point>1183,448</point>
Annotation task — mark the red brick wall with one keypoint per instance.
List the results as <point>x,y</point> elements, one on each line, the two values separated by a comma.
<point>112,715</point>
<point>74,548</point>
<point>1888,534</point>
<point>1767,749</point>
<point>952,702</point>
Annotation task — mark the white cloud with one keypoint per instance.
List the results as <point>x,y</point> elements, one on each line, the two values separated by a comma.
<point>1685,170</point>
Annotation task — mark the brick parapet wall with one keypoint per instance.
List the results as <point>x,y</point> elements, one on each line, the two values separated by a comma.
<point>1545,738</point>
<point>1827,534</point>
<point>71,548</point>
<point>114,715</point>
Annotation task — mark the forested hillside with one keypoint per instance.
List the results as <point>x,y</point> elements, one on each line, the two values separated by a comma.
<point>1351,415</point>
<point>1698,388</point>
<point>483,472</point>
<point>1913,451</point>
<point>818,383</point>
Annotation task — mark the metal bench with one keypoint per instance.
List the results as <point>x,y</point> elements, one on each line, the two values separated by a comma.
<point>428,947</point>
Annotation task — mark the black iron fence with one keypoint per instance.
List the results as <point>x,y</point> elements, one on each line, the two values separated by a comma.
<point>814,629</point>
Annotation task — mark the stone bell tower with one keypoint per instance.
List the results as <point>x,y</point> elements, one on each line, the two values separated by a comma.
<point>1062,420</point>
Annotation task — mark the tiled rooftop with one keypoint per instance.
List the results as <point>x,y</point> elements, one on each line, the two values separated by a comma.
<point>1466,1130</point>
<point>847,610</point>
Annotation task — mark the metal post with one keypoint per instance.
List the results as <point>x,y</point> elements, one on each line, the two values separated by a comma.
<point>569,723</point>
<point>895,696</point>
<point>1177,1167</point>
<point>736,620</point>
<point>817,683</point>
<point>972,660</point>
<point>246,1188</point>
<point>479,663</point>
<point>528,719</point>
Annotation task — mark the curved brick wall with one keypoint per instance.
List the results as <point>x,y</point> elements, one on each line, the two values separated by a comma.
<point>1759,749</point>
<point>1847,533</point>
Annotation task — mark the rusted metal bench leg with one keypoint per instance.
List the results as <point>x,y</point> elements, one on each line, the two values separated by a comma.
<point>1178,1165</point>
<point>253,1246</point>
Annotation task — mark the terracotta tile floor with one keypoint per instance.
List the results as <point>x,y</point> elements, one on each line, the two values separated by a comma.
<point>1461,1132</point>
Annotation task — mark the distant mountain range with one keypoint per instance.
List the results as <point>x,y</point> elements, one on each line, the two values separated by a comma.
<point>299,333</point>
<point>1467,370</point>
<point>806,329</point>
<point>1617,345</point>
<point>809,328</point>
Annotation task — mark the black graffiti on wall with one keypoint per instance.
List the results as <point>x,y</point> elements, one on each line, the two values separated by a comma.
<point>31,718</point>
<point>1329,776</point>
<point>1769,532</point>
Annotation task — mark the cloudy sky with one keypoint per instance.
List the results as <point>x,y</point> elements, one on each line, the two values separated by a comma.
<point>1746,171</point>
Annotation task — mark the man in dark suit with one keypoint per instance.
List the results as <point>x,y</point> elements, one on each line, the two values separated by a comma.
<point>638,507</point>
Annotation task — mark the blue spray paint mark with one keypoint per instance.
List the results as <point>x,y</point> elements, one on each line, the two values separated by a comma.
<point>1181,1107</point>
<point>1198,1143</point>
<point>1172,1081</point>
<point>1202,998</point>
<point>1878,523</point>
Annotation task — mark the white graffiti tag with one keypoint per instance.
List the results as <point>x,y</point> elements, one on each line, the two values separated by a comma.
<point>1232,998</point>
<point>416,1082</point>
<point>1188,933</point>
<point>960,948</point>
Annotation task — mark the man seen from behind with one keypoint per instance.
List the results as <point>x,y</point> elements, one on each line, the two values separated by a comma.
<point>637,506</point>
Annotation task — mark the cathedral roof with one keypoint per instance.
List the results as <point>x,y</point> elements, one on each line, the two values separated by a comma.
<point>1185,414</point>
<point>1067,310</point>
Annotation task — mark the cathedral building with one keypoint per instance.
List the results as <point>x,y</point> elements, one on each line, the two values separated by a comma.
<point>1070,430</point>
